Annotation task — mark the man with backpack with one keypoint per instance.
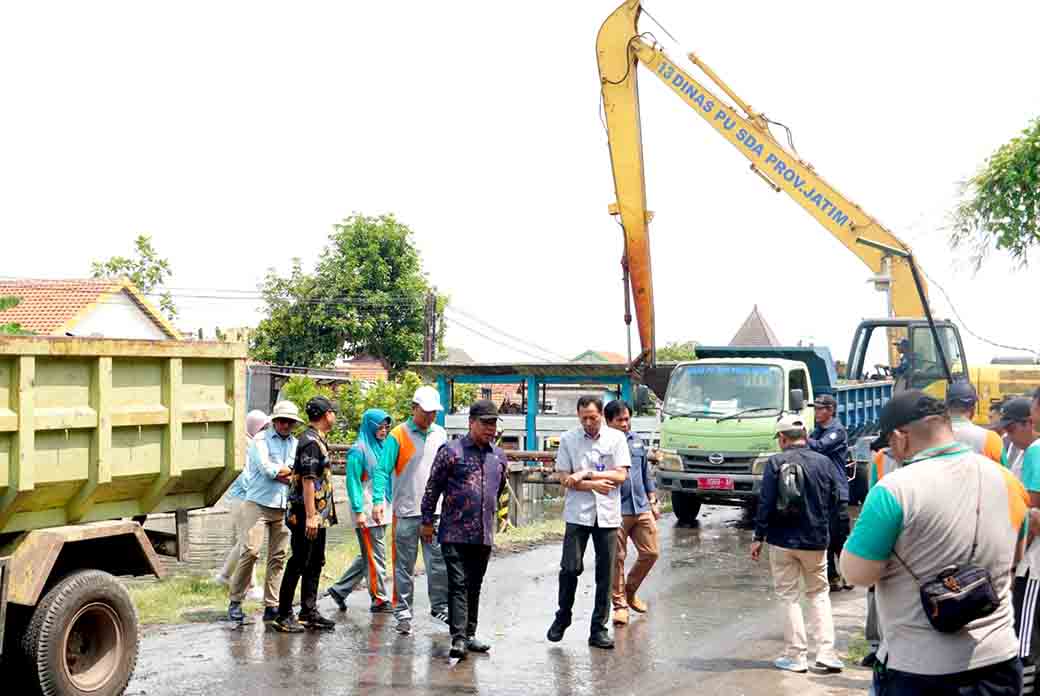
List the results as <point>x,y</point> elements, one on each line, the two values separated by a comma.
<point>800,489</point>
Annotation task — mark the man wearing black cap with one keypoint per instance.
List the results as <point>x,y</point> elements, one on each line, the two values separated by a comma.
<point>1017,421</point>
<point>960,402</point>
<point>946,506</point>
<point>312,510</point>
<point>470,473</point>
<point>830,439</point>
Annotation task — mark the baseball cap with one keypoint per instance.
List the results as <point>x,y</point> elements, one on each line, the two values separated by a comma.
<point>903,409</point>
<point>1015,411</point>
<point>484,409</point>
<point>961,392</point>
<point>318,406</point>
<point>428,399</point>
<point>790,422</point>
<point>826,401</point>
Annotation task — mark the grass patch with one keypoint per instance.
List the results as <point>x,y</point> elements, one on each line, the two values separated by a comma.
<point>858,648</point>
<point>522,538</point>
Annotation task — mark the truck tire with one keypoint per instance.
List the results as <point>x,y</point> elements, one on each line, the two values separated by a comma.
<point>82,639</point>
<point>686,507</point>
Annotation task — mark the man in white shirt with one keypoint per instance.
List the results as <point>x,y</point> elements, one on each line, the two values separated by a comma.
<point>592,463</point>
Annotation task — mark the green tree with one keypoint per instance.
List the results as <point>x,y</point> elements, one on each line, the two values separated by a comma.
<point>146,270</point>
<point>366,296</point>
<point>1001,208</point>
<point>10,328</point>
<point>677,352</point>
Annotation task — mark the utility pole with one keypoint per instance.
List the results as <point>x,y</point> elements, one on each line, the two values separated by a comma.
<point>430,327</point>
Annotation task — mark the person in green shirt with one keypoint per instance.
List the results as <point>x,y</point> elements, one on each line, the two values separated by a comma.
<point>367,475</point>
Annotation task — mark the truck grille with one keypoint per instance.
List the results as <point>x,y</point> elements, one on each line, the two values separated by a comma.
<point>730,464</point>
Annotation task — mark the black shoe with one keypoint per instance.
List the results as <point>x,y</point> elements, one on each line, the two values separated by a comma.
<point>382,608</point>
<point>339,599</point>
<point>869,660</point>
<point>601,640</point>
<point>270,614</point>
<point>458,649</point>
<point>235,613</point>
<point>555,634</point>
<point>317,621</point>
<point>474,644</point>
<point>288,624</point>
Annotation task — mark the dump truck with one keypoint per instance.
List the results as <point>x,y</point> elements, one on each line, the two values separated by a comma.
<point>95,435</point>
<point>720,410</point>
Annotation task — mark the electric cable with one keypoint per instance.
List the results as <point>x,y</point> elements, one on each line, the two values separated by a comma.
<point>521,341</point>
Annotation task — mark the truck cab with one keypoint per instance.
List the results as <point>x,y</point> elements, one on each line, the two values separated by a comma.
<point>719,412</point>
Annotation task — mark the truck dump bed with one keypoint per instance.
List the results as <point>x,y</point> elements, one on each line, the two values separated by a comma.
<point>97,429</point>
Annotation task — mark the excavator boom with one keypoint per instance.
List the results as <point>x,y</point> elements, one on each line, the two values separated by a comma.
<point>620,47</point>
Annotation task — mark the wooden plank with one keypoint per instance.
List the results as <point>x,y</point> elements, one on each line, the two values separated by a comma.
<point>100,472</point>
<point>170,465</point>
<point>208,414</point>
<point>235,443</point>
<point>66,418</point>
<point>143,415</point>
<point>21,478</point>
<point>8,420</point>
<point>114,347</point>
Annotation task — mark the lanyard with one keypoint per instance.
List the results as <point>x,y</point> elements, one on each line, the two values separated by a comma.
<point>947,450</point>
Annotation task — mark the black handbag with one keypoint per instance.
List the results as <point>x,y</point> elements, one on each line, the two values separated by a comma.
<point>958,594</point>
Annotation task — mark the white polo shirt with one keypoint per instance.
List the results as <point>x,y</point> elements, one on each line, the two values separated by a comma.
<point>580,452</point>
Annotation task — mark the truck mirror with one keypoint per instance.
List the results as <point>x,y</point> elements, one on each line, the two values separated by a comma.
<point>641,398</point>
<point>797,399</point>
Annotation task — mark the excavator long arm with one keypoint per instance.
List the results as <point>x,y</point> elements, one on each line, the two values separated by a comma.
<point>620,47</point>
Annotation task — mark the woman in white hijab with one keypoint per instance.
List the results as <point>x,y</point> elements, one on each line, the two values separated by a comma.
<point>256,421</point>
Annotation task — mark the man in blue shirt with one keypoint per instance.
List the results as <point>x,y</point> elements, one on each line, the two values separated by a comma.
<point>639,515</point>
<point>830,439</point>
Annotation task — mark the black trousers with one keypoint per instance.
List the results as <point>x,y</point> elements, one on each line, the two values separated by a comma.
<point>1001,679</point>
<point>306,561</point>
<point>466,565</point>
<point>839,534</point>
<point>572,564</point>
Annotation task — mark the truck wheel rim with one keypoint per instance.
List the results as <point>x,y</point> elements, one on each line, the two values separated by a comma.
<point>92,647</point>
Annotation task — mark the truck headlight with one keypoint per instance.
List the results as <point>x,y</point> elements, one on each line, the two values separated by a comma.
<point>758,465</point>
<point>669,461</point>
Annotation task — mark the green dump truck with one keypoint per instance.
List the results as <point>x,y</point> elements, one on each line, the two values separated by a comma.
<point>94,436</point>
<point>720,411</point>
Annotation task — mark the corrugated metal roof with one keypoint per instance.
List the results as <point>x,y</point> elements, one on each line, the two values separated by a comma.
<point>567,369</point>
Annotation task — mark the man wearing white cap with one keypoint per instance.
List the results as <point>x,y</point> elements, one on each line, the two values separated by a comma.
<point>269,465</point>
<point>410,450</point>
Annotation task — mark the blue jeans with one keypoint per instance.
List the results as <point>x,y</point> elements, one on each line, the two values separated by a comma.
<point>1001,679</point>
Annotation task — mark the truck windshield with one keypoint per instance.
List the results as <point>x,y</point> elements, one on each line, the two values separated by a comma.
<point>719,389</point>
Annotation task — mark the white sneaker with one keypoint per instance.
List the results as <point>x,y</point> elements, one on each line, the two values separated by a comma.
<point>255,594</point>
<point>790,664</point>
<point>220,579</point>
<point>830,664</point>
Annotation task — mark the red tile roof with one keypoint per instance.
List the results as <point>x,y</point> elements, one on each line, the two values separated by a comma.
<point>52,307</point>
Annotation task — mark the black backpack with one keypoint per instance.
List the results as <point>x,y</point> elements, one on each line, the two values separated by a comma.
<point>790,486</point>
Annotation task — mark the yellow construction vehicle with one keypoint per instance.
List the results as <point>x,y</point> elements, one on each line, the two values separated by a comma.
<point>921,353</point>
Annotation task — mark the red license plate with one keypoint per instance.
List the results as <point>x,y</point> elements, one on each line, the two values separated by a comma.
<point>715,483</point>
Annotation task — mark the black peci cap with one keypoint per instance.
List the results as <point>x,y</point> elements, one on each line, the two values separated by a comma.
<point>906,408</point>
<point>318,406</point>
<point>484,410</point>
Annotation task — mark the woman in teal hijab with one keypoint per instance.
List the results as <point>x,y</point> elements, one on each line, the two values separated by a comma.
<point>366,491</point>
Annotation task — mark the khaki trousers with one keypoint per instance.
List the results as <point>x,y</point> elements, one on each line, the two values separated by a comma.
<point>256,521</point>
<point>642,530</point>
<point>789,566</point>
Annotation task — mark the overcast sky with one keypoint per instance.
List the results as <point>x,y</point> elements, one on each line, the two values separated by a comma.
<point>237,133</point>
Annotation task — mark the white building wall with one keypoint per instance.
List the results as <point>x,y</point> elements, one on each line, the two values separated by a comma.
<point>118,316</point>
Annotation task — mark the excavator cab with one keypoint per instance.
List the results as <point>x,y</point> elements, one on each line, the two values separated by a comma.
<point>908,346</point>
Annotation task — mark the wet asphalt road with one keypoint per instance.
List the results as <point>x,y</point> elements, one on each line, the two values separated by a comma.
<point>712,628</point>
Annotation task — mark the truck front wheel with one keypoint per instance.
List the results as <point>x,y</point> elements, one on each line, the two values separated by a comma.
<point>686,507</point>
<point>83,637</point>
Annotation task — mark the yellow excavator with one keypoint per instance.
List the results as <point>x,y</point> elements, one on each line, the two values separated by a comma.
<point>922,353</point>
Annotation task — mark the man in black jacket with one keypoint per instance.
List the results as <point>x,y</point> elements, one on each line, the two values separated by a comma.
<point>830,439</point>
<point>799,492</point>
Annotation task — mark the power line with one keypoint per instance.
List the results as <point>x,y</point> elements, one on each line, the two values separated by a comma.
<point>522,341</point>
<point>456,322</point>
